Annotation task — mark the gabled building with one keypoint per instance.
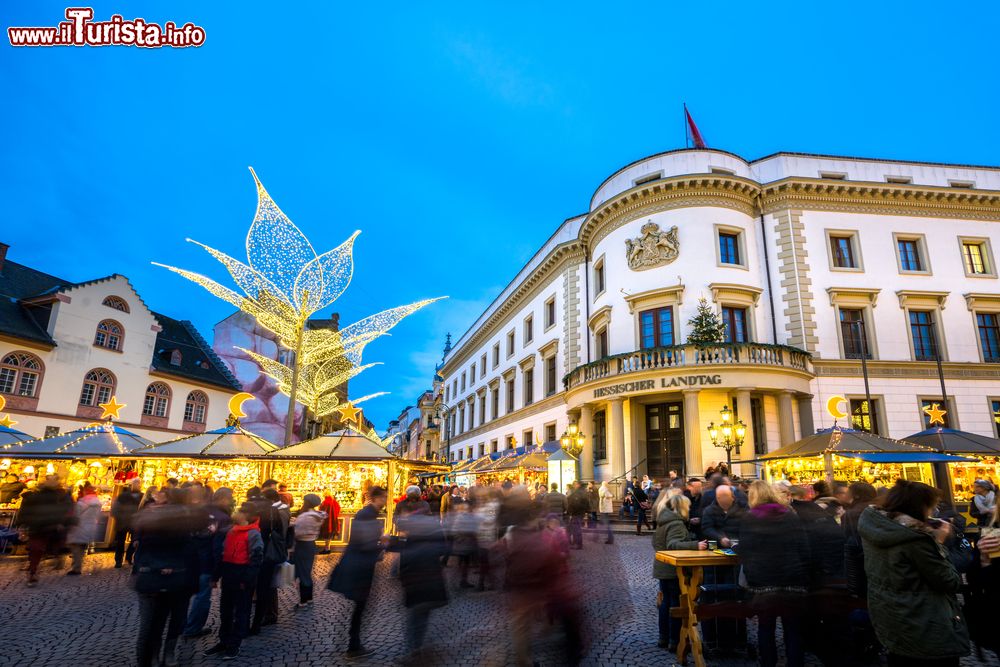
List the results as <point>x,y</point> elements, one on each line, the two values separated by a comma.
<point>66,347</point>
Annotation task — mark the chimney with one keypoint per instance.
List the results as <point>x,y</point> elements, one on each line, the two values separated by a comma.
<point>3,253</point>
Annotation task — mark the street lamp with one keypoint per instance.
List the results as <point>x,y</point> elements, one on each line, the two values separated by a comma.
<point>572,440</point>
<point>728,435</point>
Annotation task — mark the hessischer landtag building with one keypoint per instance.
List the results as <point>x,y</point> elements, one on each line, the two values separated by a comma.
<point>812,262</point>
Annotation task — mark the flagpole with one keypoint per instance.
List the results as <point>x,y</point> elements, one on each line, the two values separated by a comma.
<point>684,111</point>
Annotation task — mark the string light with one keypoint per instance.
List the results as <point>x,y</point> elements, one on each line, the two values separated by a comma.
<point>284,282</point>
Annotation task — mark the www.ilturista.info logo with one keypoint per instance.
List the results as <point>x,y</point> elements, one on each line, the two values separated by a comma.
<point>81,30</point>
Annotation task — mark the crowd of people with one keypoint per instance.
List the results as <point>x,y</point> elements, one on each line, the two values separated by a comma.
<point>850,571</point>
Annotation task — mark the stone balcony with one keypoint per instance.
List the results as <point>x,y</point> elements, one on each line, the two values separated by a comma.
<point>694,358</point>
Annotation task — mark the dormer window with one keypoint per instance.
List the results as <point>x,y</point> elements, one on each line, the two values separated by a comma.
<point>175,357</point>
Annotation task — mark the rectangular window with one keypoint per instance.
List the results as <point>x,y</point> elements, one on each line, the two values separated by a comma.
<point>863,419</point>
<point>599,277</point>
<point>494,446</point>
<point>27,384</point>
<point>909,254</point>
<point>962,184</point>
<point>852,326</point>
<point>472,375</point>
<point>461,419</point>
<point>496,355</point>
<point>729,248</point>
<point>510,396</point>
<point>833,175</point>
<point>759,427</point>
<point>472,415</point>
<point>482,409</point>
<point>529,386</point>
<point>447,394</point>
<point>468,452</point>
<point>528,438</point>
<point>600,436</point>
<point>495,402</point>
<point>602,343</point>
<point>842,248</point>
<point>550,312</point>
<point>482,449</point>
<point>648,178</point>
<point>550,375</point>
<point>189,412</point>
<point>550,432</point>
<point>922,331</point>
<point>934,403</point>
<point>482,366</point>
<point>899,180</point>
<point>463,381</point>
<point>510,344</point>
<point>7,378</point>
<point>149,404</point>
<point>656,327</point>
<point>529,329</point>
<point>735,320</point>
<point>995,407</point>
<point>989,336</point>
<point>974,255</point>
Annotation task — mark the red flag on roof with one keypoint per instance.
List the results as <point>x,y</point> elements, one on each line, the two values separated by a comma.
<point>696,137</point>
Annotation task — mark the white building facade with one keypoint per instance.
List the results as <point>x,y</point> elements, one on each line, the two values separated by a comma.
<point>811,261</point>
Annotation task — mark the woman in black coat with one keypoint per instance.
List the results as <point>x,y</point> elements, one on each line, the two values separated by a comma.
<point>420,574</point>
<point>774,552</point>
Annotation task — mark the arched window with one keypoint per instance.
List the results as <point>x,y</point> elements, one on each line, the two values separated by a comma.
<point>20,374</point>
<point>175,358</point>
<point>109,335</point>
<point>196,407</point>
<point>117,303</point>
<point>157,401</point>
<point>98,387</point>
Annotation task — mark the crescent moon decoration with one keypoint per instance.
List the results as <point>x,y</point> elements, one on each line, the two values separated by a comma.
<point>833,407</point>
<point>3,402</point>
<point>236,404</point>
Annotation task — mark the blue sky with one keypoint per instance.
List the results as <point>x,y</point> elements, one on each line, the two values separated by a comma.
<point>456,137</point>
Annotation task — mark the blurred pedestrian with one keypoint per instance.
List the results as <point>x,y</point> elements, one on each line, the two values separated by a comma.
<point>773,550</point>
<point>274,520</point>
<point>307,527</point>
<point>352,577</point>
<point>242,555</point>
<point>643,506</point>
<point>595,504</point>
<point>486,506</point>
<point>673,533</point>
<point>123,509</point>
<point>216,509</point>
<point>461,536</point>
<point>984,501</point>
<point>606,506</point>
<point>44,514</point>
<point>164,575</point>
<point>11,489</point>
<point>911,582</point>
<point>721,521</point>
<point>83,530</point>
<point>860,496</point>
<point>555,502</point>
<point>331,527</point>
<point>420,573</point>
<point>577,505</point>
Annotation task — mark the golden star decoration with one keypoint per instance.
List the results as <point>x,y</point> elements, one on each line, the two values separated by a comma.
<point>935,413</point>
<point>348,412</point>
<point>111,409</point>
<point>7,421</point>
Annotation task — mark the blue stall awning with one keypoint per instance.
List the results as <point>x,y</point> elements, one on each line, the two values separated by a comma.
<point>906,457</point>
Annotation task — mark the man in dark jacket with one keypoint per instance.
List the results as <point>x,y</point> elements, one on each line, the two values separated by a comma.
<point>721,520</point>
<point>45,513</point>
<point>420,574</point>
<point>122,510</point>
<point>555,502</point>
<point>353,575</point>
<point>274,520</point>
<point>577,505</point>
<point>826,539</point>
<point>215,512</point>
<point>11,489</point>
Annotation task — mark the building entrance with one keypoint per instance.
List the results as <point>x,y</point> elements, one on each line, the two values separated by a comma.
<point>665,439</point>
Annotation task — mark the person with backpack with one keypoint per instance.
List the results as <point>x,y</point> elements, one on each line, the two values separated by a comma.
<point>274,520</point>
<point>242,554</point>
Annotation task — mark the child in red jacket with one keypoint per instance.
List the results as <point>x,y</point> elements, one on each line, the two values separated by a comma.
<point>242,553</point>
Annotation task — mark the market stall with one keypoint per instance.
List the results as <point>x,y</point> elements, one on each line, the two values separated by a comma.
<point>99,453</point>
<point>11,436</point>
<point>982,452</point>
<point>223,457</point>
<point>850,455</point>
<point>344,465</point>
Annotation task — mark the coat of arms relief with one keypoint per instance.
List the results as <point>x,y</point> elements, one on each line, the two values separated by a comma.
<point>653,248</point>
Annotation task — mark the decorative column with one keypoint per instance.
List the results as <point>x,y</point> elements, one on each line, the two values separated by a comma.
<point>785,424</point>
<point>586,426</point>
<point>692,434</point>
<point>616,437</point>
<point>746,415</point>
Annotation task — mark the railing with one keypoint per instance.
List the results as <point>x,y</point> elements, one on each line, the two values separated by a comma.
<point>618,482</point>
<point>690,356</point>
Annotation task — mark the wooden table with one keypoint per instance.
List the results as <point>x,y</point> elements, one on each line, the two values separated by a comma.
<point>690,571</point>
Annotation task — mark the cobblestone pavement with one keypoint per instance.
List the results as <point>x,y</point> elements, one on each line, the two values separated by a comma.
<point>92,619</point>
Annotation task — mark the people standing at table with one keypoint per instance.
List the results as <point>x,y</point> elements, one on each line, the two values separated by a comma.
<point>672,533</point>
<point>721,520</point>
<point>83,531</point>
<point>773,550</point>
<point>44,514</point>
<point>307,528</point>
<point>123,509</point>
<point>352,577</point>
<point>912,584</point>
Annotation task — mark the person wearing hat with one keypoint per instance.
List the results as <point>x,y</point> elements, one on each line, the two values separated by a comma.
<point>984,501</point>
<point>307,527</point>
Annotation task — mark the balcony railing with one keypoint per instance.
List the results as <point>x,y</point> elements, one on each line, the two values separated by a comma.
<point>693,357</point>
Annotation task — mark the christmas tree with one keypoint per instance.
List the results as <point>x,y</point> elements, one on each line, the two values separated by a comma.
<point>706,326</point>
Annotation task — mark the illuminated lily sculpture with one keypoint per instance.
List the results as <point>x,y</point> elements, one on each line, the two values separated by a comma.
<point>284,282</point>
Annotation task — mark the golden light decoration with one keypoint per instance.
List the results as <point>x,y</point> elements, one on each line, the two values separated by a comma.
<point>111,408</point>
<point>236,404</point>
<point>935,413</point>
<point>285,282</point>
<point>348,412</point>
<point>7,421</point>
<point>833,407</point>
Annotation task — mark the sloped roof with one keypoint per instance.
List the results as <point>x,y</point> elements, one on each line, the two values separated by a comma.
<point>10,436</point>
<point>18,282</point>
<point>93,441</point>
<point>198,360</point>
<point>228,441</point>
<point>345,445</point>
<point>837,440</point>
<point>950,440</point>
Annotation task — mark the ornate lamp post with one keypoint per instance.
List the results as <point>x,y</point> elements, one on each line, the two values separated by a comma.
<point>727,435</point>
<point>572,440</point>
<point>564,464</point>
